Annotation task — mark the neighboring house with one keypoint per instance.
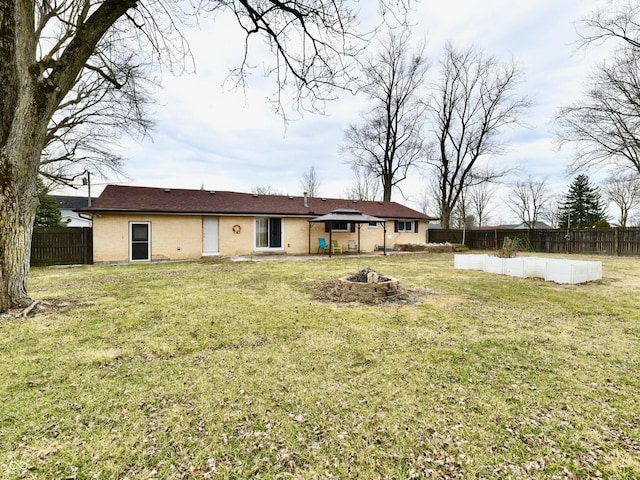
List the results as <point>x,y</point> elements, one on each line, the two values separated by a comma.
<point>143,224</point>
<point>68,205</point>
<point>525,226</point>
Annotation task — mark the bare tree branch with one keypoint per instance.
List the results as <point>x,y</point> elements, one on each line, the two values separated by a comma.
<point>623,190</point>
<point>472,103</point>
<point>528,200</point>
<point>389,140</point>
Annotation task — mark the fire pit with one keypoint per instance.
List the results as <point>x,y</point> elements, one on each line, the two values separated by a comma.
<point>366,285</point>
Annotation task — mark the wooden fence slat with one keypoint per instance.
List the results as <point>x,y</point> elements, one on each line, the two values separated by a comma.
<point>61,246</point>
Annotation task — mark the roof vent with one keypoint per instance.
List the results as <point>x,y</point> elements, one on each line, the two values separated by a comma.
<point>355,201</point>
<point>167,190</point>
<point>255,195</point>
<point>212,192</point>
<point>290,197</point>
<point>324,199</point>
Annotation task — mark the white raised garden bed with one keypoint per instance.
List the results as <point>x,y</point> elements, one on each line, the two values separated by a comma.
<point>552,270</point>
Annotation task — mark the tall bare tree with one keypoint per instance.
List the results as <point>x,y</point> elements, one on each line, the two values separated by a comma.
<point>388,141</point>
<point>604,125</point>
<point>473,102</point>
<point>623,190</point>
<point>365,185</point>
<point>311,182</point>
<point>552,212</point>
<point>479,199</point>
<point>46,48</point>
<point>528,199</point>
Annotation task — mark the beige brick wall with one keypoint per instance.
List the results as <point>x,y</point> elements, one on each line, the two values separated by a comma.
<point>179,237</point>
<point>174,237</point>
<point>232,243</point>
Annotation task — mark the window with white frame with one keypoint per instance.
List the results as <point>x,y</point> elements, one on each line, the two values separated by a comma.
<point>405,226</point>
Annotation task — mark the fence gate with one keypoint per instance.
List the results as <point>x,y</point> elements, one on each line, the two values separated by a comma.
<point>61,246</point>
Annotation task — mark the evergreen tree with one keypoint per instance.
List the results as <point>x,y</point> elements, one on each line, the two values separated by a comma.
<point>582,206</point>
<point>48,214</point>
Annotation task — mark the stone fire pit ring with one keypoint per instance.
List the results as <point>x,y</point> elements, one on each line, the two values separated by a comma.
<point>368,285</point>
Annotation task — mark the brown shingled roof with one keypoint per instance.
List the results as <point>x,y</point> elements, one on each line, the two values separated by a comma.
<point>117,198</point>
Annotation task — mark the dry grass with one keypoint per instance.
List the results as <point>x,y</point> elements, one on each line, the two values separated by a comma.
<point>235,370</point>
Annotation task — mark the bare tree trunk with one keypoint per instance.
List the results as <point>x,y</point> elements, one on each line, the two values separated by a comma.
<point>19,160</point>
<point>16,219</point>
<point>387,187</point>
<point>445,220</point>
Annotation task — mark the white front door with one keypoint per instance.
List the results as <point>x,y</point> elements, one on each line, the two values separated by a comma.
<point>210,236</point>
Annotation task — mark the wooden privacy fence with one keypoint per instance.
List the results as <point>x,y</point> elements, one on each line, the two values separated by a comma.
<point>607,241</point>
<point>61,246</point>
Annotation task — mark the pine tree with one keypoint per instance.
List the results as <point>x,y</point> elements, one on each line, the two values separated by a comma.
<point>48,214</point>
<point>582,206</point>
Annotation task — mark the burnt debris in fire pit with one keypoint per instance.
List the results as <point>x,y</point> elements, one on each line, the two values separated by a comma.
<point>368,275</point>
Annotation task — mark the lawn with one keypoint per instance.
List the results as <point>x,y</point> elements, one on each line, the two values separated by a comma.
<point>237,370</point>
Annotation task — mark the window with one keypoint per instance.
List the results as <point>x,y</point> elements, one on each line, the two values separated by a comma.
<point>404,226</point>
<point>268,233</point>
<point>140,241</point>
<point>340,226</point>
<point>373,224</point>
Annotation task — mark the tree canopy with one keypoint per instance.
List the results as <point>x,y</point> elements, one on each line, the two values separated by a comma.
<point>582,206</point>
<point>603,126</point>
<point>388,140</point>
<point>472,102</point>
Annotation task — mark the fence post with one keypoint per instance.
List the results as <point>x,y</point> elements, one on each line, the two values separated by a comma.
<point>616,241</point>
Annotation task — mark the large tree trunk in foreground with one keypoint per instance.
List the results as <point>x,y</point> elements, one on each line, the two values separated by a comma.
<point>19,162</point>
<point>16,220</point>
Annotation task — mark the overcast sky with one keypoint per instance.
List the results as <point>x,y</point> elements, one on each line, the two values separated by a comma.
<point>228,139</point>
